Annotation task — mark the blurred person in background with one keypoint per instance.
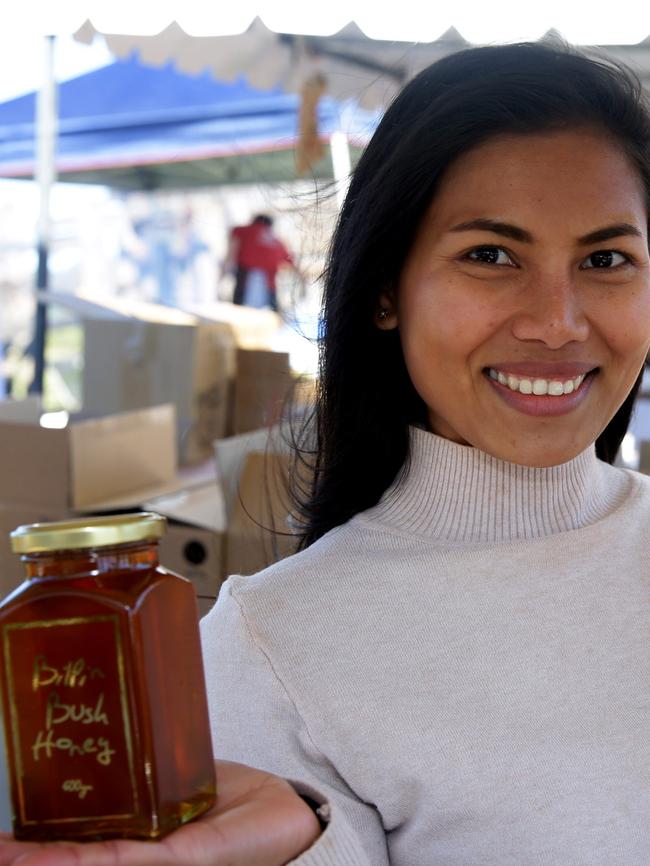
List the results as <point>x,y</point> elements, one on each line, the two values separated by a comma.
<point>255,255</point>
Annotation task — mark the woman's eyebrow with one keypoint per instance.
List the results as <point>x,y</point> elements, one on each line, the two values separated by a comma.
<point>506,230</point>
<point>516,233</point>
<point>608,232</point>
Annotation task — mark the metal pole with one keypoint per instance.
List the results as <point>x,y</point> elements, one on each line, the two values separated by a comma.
<point>341,164</point>
<point>45,176</point>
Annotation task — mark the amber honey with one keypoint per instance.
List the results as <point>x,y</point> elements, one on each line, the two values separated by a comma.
<point>104,705</point>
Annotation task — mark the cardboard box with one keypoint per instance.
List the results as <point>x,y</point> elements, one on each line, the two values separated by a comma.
<point>132,362</point>
<point>231,454</point>
<point>253,473</point>
<point>138,355</point>
<point>263,383</point>
<point>89,461</point>
<point>219,509</point>
<point>194,553</point>
<point>193,544</point>
<point>259,532</point>
<point>252,328</point>
<point>27,411</point>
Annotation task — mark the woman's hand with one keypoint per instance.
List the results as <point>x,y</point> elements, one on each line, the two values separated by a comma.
<point>258,820</point>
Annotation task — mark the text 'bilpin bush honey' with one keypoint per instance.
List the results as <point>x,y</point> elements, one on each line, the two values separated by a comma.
<point>105,712</point>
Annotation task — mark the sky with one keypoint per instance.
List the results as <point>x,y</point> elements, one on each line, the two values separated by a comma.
<point>479,22</point>
<point>22,61</point>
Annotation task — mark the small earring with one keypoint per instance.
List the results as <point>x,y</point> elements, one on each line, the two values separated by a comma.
<point>382,314</point>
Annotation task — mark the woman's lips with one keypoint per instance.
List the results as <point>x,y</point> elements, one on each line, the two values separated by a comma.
<point>544,405</point>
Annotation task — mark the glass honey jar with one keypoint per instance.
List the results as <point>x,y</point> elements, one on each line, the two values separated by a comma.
<point>103,690</point>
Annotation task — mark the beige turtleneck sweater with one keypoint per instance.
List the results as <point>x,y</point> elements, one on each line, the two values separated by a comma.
<point>461,672</point>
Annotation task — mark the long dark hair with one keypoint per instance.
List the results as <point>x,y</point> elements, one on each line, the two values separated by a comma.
<point>366,401</point>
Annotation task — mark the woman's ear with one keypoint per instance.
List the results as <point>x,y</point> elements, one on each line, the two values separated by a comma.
<point>386,311</point>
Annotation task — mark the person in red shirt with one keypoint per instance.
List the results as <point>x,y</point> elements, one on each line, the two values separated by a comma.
<point>256,255</point>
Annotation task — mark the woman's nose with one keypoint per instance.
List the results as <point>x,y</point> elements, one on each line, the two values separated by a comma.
<point>550,311</point>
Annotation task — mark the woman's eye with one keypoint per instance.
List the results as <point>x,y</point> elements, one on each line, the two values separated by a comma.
<point>489,256</point>
<point>604,260</point>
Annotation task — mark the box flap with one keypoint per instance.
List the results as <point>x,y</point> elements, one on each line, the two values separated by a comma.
<point>263,501</point>
<point>115,455</point>
<point>83,307</point>
<point>27,411</point>
<point>231,454</point>
<point>133,500</point>
<point>86,306</point>
<point>187,478</point>
<point>259,532</point>
<point>253,328</point>
<point>201,506</point>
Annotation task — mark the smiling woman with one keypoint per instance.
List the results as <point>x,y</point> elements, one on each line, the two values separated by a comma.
<point>454,667</point>
<point>536,330</point>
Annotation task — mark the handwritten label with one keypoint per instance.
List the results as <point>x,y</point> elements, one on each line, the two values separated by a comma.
<point>73,674</point>
<point>46,743</point>
<point>70,718</point>
<point>76,786</point>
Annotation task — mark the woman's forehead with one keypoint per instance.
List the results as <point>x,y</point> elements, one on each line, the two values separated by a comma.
<point>576,177</point>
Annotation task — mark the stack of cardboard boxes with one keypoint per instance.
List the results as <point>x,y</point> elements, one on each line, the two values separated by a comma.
<point>236,521</point>
<point>160,386</point>
<point>50,474</point>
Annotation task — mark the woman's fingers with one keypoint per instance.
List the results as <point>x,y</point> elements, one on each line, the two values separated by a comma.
<point>258,820</point>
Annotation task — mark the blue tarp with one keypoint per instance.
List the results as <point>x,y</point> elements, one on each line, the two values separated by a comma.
<point>135,126</point>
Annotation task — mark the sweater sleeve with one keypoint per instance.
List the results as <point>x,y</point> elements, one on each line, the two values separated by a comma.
<point>255,722</point>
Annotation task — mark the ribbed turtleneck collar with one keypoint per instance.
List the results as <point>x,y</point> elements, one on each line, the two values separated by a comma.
<point>460,494</point>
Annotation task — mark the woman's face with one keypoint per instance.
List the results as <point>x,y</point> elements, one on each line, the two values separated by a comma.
<point>524,305</point>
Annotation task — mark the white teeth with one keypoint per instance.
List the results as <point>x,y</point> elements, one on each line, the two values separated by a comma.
<point>539,387</point>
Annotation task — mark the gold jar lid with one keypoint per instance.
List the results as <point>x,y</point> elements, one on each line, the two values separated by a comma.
<point>87,532</point>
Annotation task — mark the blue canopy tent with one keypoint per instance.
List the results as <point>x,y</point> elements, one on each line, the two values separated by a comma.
<point>130,126</point>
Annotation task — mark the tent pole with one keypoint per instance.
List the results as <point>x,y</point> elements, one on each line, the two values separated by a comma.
<point>341,164</point>
<point>46,117</point>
